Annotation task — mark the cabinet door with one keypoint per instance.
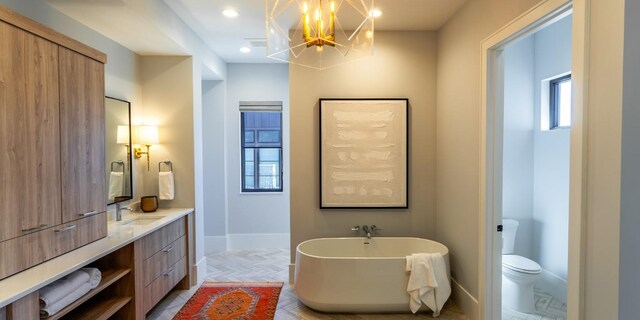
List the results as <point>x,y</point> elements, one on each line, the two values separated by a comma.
<point>29,133</point>
<point>81,135</point>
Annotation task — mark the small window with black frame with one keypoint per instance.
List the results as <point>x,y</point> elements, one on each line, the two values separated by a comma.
<point>560,102</point>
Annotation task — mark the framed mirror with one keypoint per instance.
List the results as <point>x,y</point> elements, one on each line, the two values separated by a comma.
<point>118,150</point>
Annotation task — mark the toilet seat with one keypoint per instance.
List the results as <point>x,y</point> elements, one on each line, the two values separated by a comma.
<point>520,264</point>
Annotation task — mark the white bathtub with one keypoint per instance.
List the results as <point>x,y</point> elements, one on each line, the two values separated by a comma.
<point>347,275</point>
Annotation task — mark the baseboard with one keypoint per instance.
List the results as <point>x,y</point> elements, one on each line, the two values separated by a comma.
<point>214,243</point>
<point>553,284</point>
<point>201,267</point>
<point>469,304</point>
<point>258,241</point>
<point>292,273</point>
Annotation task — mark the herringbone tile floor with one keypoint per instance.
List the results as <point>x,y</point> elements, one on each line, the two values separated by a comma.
<point>273,265</point>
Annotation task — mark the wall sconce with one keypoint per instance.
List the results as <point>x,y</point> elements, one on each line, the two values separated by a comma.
<point>147,135</point>
<point>122,137</point>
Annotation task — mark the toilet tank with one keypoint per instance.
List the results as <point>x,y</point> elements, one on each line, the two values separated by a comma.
<point>509,230</point>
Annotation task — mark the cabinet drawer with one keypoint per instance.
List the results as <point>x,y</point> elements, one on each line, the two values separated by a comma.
<point>154,242</point>
<point>159,287</point>
<point>160,262</point>
<point>27,251</point>
<point>78,233</point>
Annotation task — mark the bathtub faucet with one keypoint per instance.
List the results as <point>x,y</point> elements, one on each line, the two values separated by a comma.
<point>366,230</point>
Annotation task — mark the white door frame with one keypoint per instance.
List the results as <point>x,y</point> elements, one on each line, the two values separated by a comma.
<point>490,264</point>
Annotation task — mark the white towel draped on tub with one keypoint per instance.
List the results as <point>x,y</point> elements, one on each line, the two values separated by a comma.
<point>166,185</point>
<point>116,184</point>
<point>428,281</point>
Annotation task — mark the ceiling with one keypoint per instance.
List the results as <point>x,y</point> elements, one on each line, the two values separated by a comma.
<point>136,27</point>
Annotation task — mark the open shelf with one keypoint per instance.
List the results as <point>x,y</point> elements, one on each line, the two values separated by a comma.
<point>99,311</point>
<point>108,278</point>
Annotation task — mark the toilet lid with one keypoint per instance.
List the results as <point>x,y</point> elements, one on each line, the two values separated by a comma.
<point>520,263</point>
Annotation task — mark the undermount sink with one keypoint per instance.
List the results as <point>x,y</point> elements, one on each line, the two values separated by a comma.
<point>141,220</point>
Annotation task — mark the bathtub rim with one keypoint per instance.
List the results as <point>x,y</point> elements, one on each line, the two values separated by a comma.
<point>298,251</point>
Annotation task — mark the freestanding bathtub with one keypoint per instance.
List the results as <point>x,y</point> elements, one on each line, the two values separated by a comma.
<point>347,275</point>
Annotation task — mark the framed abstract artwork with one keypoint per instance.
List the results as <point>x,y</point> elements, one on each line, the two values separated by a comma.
<point>364,153</point>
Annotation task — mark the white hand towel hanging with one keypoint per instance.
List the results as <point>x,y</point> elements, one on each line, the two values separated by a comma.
<point>116,184</point>
<point>166,185</point>
<point>428,282</point>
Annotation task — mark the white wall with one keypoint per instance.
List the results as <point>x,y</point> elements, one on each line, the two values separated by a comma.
<point>215,191</point>
<point>551,165</point>
<point>518,141</point>
<point>630,188</point>
<point>237,220</point>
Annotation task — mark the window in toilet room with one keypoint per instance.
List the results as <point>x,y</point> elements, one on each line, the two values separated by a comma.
<point>261,144</point>
<point>560,102</point>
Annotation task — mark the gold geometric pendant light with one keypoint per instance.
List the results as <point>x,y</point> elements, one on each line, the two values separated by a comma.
<point>319,33</point>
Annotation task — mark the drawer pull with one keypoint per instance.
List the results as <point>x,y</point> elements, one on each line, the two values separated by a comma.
<point>167,250</point>
<point>87,214</point>
<point>35,228</point>
<point>67,228</point>
<point>170,271</point>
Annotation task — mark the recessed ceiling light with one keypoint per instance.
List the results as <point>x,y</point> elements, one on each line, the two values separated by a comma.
<point>375,13</point>
<point>230,13</point>
<point>245,49</point>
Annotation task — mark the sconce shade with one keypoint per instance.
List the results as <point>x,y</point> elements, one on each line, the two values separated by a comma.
<point>148,135</point>
<point>122,134</point>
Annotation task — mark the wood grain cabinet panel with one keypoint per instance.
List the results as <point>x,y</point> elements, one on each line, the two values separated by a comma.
<point>30,250</point>
<point>163,284</point>
<point>154,242</point>
<point>160,262</point>
<point>29,133</point>
<point>82,135</point>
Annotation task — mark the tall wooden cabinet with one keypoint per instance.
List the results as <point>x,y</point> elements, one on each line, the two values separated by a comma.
<point>82,135</point>
<point>52,183</point>
<point>29,133</point>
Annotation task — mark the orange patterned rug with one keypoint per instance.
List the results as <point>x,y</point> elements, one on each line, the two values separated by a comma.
<point>232,301</point>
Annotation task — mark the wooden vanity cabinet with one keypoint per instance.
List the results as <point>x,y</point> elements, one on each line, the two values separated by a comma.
<point>82,135</point>
<point>162,262</point>
<point>29,133</point>
<point>52,190</point>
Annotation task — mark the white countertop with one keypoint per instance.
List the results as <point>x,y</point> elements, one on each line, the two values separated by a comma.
<point>119,235</point>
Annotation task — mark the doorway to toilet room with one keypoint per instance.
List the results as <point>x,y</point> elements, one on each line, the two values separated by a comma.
<point>528,85</point>
<point>536,123</point>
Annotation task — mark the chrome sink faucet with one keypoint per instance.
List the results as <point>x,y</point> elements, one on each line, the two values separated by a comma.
<point>119,211</point>
<point>366,230</point>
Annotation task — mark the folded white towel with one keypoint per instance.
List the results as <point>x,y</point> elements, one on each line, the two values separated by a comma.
<point>166,185</point>
<point>65,301</point>
<point>56,291</point>
<point>428,282</point>
<point>95,276</point>
<point>116,184</point>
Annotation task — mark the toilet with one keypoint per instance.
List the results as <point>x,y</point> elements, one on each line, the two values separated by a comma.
<point>519,274</point>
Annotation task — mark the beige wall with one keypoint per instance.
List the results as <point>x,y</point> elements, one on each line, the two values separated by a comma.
<point>604,112</point>
<point>167,89</point>
<point>458,129</point>
<point>404,66</point>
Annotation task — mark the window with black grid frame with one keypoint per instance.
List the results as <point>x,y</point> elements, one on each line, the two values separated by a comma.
<point>261,144</point>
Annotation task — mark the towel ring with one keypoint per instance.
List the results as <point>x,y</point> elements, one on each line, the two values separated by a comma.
<point>167,162</point>
<point>120,162</point>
